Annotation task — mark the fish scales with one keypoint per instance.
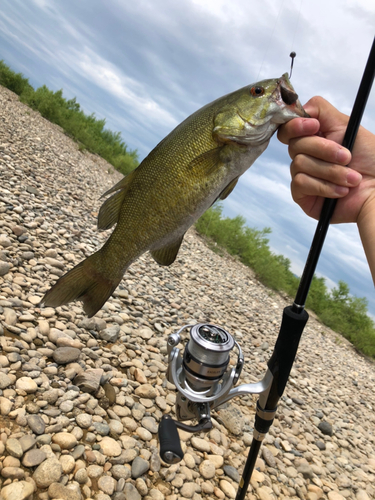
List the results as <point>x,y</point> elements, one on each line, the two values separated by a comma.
<point>197,163</point>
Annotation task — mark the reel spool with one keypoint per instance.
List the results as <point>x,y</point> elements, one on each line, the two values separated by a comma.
<point>206,356</point>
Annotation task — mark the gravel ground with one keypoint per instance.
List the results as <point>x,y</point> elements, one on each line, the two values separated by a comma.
<point>81,399</point>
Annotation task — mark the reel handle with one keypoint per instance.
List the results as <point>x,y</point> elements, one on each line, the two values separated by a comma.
<point>170,446</point>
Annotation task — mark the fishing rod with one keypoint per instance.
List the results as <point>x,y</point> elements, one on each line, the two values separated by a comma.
<point>295,317</point>
<point>200,373</point>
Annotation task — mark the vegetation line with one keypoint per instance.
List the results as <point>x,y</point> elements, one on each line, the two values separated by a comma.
<point>87,130</point>
<point>337,309</point>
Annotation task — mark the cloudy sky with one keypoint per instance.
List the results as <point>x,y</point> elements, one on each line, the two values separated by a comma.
<point>146,65</point>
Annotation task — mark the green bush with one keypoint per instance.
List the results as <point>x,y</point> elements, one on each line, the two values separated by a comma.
<point>338,310</point>
<point>13,81</point>
<point>87,130</point>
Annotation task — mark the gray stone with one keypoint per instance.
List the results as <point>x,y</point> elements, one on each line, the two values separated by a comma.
<point>32,458</point>
<point>306,471</point>
<point>325,428</point>
<point>5,381</point>
<point>131,493</point>
<point>4,268</point>
<point>36,424</point>
<point>64,355</point>
<point>232,472</point>
<point>89,381</point>
<point>232,419</point>
<point>14,448</point>
<point>110,334</point>
<point>27,441</point>
<point>139,467</point>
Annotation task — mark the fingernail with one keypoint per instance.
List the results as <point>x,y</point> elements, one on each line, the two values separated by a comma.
<point>343,156</point>
<point>341,190</point>
<point>353,178</point>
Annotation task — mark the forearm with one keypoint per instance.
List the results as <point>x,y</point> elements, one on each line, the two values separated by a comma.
<point>366,227</point>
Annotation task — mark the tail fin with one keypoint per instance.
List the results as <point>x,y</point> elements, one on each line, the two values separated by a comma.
<point>85,283</point>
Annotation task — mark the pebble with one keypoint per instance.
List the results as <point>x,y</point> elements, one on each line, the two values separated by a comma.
<point>139,467</point>
<point>110,447</point>
<point>17,491</point>
<point>81,398</point>
<point>47,472</point>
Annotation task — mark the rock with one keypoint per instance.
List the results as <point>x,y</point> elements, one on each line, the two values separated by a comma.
<point>4,268</point>
<point>110,447</point>
<point>139,467</point>
<point>146,391</point>
<point>65,440</point>
<point>334,495</point>
<point>26,384</point>
<point>131,492</point>
<point>227,489</point>
<point>200,444</point>
<point>188,490</point>
<point>325,428</point>
<point>265,493</point>
<point>17,491</point>
<point>36,424</point>
<point>107,484</point>
<point>232,419</point>
<point>65,355</point>
<point>89,381</point>
<point>5,381</point>
<point>61,492</point>
<point>207,469</point>
<point>48,472</point>
<point>110,334</point>
<point>306,471</point>
<point>14,448</point>
<point>84,420</point>
<point>232,472</point>
<point>33,458</point>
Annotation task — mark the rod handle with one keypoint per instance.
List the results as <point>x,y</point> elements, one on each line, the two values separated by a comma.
<point>170,446</point>
<point>284,353</point>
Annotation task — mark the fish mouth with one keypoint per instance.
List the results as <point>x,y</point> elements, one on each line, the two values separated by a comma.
<point>286,96</point>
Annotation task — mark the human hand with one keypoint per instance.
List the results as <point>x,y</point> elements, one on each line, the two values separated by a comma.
<point>318,168</point>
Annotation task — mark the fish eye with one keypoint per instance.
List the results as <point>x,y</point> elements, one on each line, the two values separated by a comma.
<point>257,91</point>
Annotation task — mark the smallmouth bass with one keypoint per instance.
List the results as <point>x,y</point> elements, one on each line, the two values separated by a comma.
<point>198,163</point>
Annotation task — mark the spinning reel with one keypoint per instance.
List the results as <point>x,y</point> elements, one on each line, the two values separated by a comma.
<point>204,381</point>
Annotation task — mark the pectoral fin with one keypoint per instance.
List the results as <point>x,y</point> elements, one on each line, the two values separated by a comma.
<point>208,161</point>
<point>226,192</point>
<point>167,255</point>
<point>110,210</point>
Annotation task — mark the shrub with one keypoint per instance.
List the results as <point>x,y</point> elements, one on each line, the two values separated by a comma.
<point>339,310</point>
<point>87,130</point>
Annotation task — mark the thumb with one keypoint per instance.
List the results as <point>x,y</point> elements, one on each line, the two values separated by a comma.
<point>332,122</point>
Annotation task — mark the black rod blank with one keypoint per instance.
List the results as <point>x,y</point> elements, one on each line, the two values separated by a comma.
<point>288,332</point>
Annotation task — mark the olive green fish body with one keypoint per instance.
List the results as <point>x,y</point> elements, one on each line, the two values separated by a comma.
<point>197,163</point>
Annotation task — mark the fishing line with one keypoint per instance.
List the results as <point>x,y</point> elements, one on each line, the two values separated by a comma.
<point>297,23</point>
<point>270,39</point>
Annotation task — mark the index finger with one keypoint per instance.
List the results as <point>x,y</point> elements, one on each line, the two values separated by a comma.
<point>298,127</point>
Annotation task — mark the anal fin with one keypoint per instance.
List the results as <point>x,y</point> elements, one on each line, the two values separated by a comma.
<point>167,255</point>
